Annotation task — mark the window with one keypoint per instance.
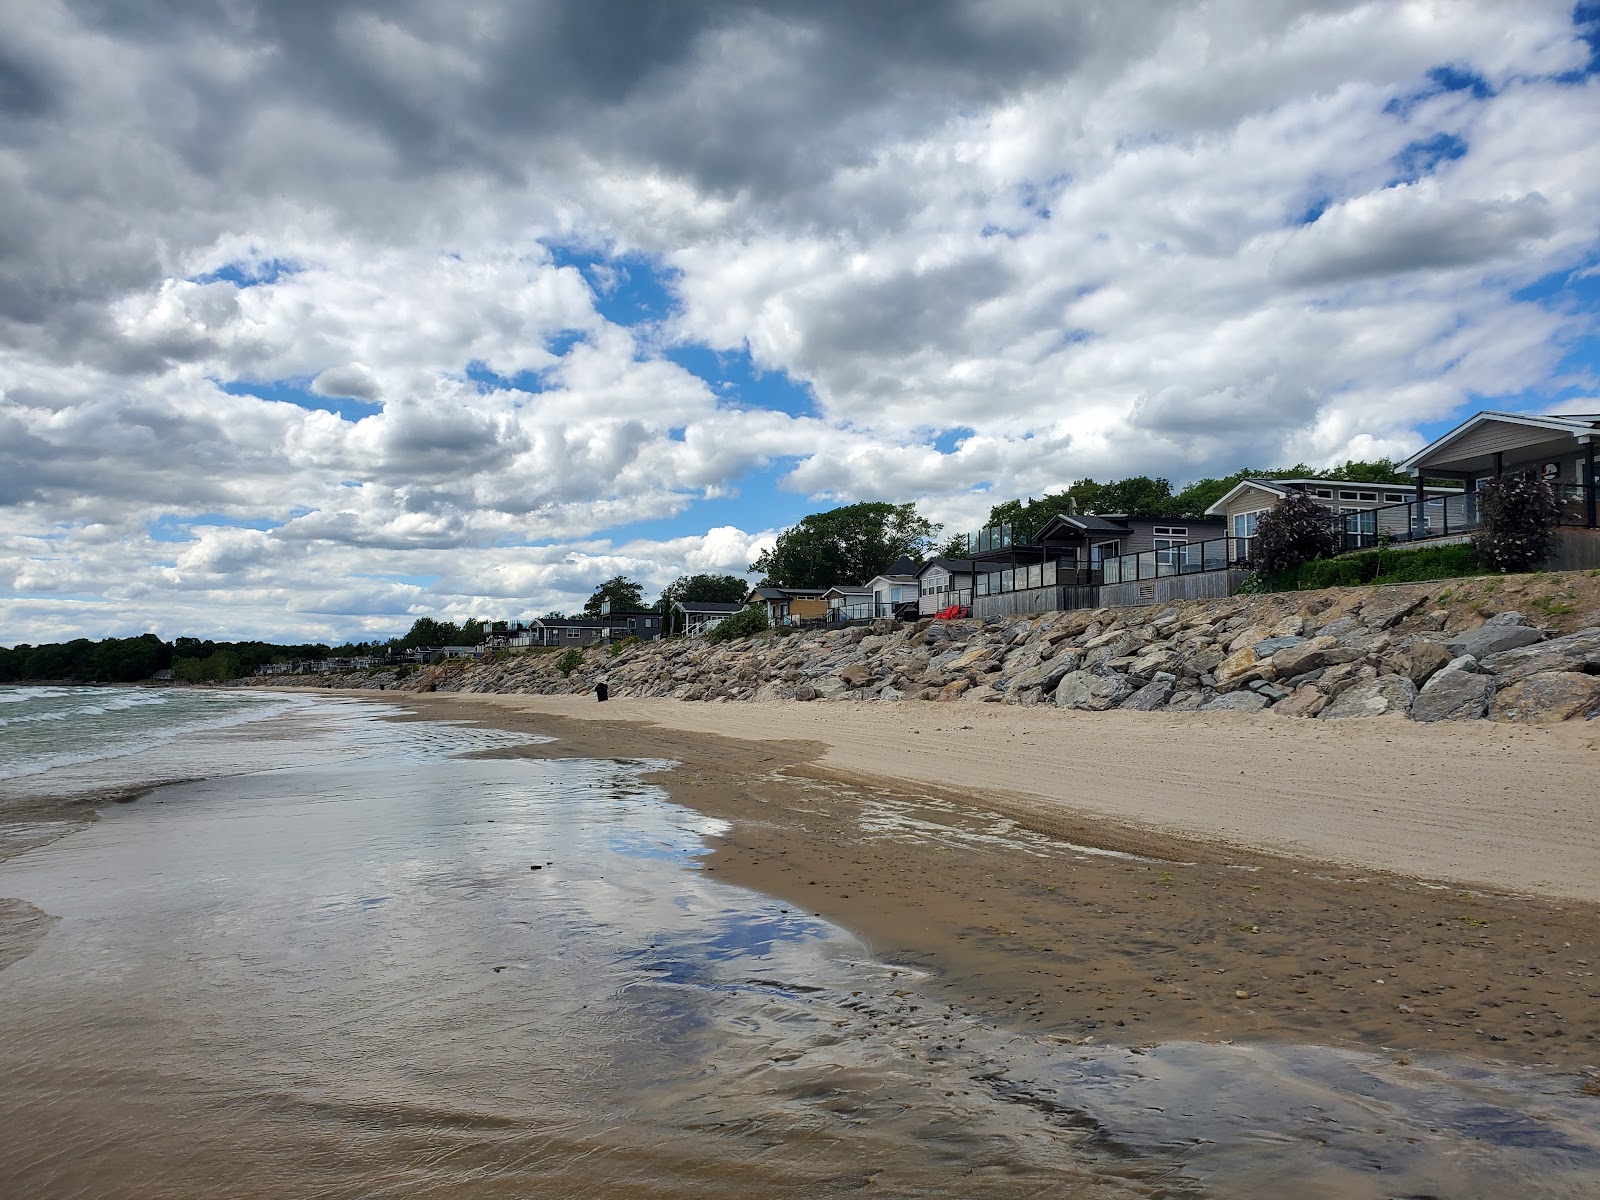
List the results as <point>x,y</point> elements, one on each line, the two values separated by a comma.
<point>1360,520</point>
<point>572,634</point>
<point>1244,524</point>
<point>1325,493</point>
<point>1170,541</point>
<point>1395,497</point>
<point>1358,495</point>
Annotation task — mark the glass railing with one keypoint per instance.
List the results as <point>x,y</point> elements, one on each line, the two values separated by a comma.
<point>1217,554</point>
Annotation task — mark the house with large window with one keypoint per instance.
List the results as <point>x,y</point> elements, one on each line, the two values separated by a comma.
<point>1560,448</point>
<point>944,583</point>
<point>848,602</point>
<point>1243,505</point>
<point>895,587</point>
<point>790,606</point>
<point>696,618</point>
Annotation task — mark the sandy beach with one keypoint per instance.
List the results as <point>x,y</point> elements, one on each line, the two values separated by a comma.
<point>1368,884</point>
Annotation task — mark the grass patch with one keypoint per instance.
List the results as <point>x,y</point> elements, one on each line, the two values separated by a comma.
<point>1383,566</point>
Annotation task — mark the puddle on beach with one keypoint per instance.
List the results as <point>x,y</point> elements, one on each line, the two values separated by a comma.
<point>349,980</point>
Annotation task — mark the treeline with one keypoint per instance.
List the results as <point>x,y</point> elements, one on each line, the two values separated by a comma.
<point>202,660</point>
<point>129,660</point>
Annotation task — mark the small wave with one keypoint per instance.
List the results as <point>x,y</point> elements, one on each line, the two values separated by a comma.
<point>99,709</point>
<point>255,708</point>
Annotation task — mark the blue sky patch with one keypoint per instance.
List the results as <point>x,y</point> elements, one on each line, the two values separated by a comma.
<point>1421,158</point>
<point>251,274</point>
<point>629,289</point>
<point>734,378</point>
<point>296,390</point>
<point>170,527</point>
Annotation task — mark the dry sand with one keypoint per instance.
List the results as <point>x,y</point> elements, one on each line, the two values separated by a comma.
<point>1373,884</point>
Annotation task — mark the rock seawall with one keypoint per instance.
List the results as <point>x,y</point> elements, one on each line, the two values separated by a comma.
<point>1332,655</point>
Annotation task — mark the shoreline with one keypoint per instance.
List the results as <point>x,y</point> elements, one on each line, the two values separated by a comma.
<point>1171,936</point>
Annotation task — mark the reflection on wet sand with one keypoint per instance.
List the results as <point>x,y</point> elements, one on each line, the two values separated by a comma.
<point>499,978</point>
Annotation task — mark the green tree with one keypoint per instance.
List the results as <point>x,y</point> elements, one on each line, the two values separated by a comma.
<point>722,589</point>
<point>745,623</point>
<point>845,545</point>
<point>425,631</point>
<point>1136,496</point>
<point>954,546</point>
<point>624,594</point>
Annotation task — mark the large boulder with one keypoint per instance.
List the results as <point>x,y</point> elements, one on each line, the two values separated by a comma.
<point>1312,655</point>
<point>1374,698</point>
<point>1046,675</point>
<point>1548,696</point>
<point>1425,659</point>
<point>1236,702</point>
<point>1575,652</point>
<point>1390,608</point>
<point>857,674</point>
<point>1273,645</point>
<point>1241,667</point>
<point>1305,701</point>
<point>1150,697</point>
<point>1092,690</point>
<point>1493,639</point>
<point>1457,693</point>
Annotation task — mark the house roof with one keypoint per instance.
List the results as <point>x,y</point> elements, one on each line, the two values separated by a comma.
<point>901,566</point>
<point>1575,424</point>
<point>890,579</point>
<point>848,589</point>
<point>783,593</point>
<point>709,606</point>
<point>1081,523</point>
<point>956,566</point>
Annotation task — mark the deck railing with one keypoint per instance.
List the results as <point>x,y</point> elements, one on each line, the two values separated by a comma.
<point>1215,554</point>
<point>1437,517</point>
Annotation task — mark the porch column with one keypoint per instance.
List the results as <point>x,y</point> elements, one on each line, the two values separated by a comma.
<point>1588,482</point>
<point>1499,464</point>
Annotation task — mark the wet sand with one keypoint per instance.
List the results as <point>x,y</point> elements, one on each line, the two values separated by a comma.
<point>1451,909</point>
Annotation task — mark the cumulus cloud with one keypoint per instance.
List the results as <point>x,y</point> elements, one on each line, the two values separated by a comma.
<point>315,315</point>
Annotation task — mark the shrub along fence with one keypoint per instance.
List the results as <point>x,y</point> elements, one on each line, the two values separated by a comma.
<point>1382,566</point>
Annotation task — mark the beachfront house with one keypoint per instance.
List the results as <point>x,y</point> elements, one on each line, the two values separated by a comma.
<point>696,618</point>
<point>895,587</point>
<point>790,606</point>
<point>848,602</point>
<point>1243,505</point>
<point>644,624</point>
<point>944,583</point>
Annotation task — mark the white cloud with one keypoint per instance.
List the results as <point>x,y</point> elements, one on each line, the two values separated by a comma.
<point>1004,247</point>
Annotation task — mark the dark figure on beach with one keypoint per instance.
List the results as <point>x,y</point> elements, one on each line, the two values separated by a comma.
<point>601,691</point>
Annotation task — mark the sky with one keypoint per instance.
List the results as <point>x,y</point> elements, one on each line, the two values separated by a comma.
<point>318,316</point>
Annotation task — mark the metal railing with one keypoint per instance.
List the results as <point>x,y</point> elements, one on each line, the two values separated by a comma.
<point>1216,554</point>
<point>1437,517</point>
<point>930,603</point>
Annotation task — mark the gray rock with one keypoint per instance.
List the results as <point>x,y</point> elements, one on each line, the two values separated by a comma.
<point>1312,655</point>
<point>1494,639</point>
<point>1454,694</point>
<point>1548,696</point>
<point>1045,675</point>
<point>1575,652</point>
<point>1307,701</point>
<point>1425,659</point>
<point>1386,609</point>
<point>1373,698</point>
<point>1236,702</point>
<point>1272,645</point>
<point>1150,697</point>
<point>1186,701</point>
<point>1511,617</point>
<point>1338,628</point>
<point>1092,691</point>
<point>1271,691</point>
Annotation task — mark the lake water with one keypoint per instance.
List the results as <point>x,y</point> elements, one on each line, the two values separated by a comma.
<point>349,961</point>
